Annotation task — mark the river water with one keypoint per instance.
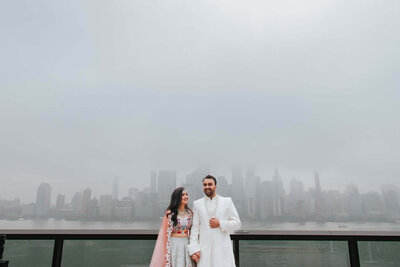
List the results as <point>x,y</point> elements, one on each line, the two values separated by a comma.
<point>146,225</point>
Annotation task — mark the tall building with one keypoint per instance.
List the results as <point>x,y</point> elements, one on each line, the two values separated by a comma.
<point>238,196</point>
<point>115,188</point>
<point>278,194</point>
<point>77,202</point>
<point>125,209</point>
<point>153,182</point>
<point>60,202</point>
<point>353,201</point>
<point>334,205</point>
<point>147,207</point>
<point>266,200</point>
<point>317,182</point>
<point>43,198</point>
<point>296,206</point>
<point>372,205</point>
<point>391,201</point>
<point>223,187</point>
<point>252,184</point>
<point>296,190</point>
<point>86,196</point>
<point>106,206</point>
<point>166,184</point>
<point>93,209</point>
<point>133,192</point>
<point>194,183</point>
<point>318,195</point>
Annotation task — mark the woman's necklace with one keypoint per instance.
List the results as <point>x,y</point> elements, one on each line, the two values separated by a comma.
<point>181,212</point>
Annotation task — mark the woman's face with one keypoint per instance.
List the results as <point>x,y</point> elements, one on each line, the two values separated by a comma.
<point>185,197</point>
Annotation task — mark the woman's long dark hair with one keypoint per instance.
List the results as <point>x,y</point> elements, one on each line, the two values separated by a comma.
<point>176,199</point>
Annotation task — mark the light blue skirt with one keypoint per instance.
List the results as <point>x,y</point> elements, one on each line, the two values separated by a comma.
<point>179,252</point>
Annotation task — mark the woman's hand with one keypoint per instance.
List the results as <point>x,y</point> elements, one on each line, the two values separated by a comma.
<point>195,258</point>
<point>167,212</point>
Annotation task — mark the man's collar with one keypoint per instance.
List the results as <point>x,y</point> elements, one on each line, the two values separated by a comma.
<point>208,198</point>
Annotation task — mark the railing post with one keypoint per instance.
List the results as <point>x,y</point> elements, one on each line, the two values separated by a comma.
<point>353,252</point>
<point>57,251</point>
<point>236,251</point>
<point>3,263</point>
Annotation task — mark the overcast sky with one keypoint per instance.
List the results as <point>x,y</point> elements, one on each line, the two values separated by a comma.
<point>90,90</point>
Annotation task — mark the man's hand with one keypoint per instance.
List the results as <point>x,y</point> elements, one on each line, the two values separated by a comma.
<point>214,223</point>
<point>196,256</point>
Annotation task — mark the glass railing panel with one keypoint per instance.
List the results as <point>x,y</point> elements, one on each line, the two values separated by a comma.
<point>293,253</point>
<point>378,253</point>
<point>106,253</point>
<point>32,253</point>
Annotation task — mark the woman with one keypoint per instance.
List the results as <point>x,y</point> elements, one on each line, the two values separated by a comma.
<point>171,246</point>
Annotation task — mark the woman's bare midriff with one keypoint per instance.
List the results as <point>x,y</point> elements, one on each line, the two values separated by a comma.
<point>179,235</point>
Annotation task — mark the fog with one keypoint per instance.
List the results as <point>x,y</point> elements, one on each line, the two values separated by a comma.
<point>91,90</point>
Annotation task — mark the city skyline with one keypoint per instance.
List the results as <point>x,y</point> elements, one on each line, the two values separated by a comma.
<point>255,198</point>
<point>181,179</point>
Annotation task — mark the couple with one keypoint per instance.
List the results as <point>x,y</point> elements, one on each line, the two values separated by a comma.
<point>201,236</point>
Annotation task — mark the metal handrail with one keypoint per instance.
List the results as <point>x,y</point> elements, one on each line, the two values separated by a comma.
<point>352,237</point>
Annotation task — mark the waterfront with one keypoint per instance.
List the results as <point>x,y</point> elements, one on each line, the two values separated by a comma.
<point>124,253</point>
<point>152,225</point>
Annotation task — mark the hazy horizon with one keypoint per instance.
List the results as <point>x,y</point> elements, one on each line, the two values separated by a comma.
<point>93,90</point>
<point>106,185</point>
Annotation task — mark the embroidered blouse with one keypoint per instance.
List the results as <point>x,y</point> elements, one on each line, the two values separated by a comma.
<point>184,224</point>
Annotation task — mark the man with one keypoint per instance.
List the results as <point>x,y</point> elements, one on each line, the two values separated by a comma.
<point>215,217</point>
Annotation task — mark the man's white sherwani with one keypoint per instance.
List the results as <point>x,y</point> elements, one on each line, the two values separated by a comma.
<point>214,243</point>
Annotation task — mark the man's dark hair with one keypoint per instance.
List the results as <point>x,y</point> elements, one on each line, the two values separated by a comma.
<point>210,177</point>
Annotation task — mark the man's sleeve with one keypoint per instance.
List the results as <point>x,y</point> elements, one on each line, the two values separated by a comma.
<point>194,246</point>
<point>233,223</point>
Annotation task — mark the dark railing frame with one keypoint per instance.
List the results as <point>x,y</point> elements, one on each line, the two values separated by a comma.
<point>352,237</point>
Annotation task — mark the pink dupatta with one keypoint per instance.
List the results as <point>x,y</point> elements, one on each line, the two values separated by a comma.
<point>161,256</point>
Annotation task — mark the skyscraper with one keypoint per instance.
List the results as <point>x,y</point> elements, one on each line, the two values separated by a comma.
<point>115,188</point>
<point>238,190</point>
<point>166,184</point>
<point>194,183</point>
<point>224,188</point>
<point>278,194</point>
<point>43,200</point>
<point>60,202</point>
<point>106,206</point>
<point>317,182</point>
<point>390,200</point>
<point>153,182</point>
<point>77,202</point>
<point>86,196</point>
<point>372,204</point>
<point>296,204</point>
<point>318,195</point>
<point>266,200</point>
<point>252,184</point>
<point>353,201</point>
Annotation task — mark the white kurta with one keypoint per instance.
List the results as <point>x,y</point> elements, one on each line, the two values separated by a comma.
<point>214,243</point>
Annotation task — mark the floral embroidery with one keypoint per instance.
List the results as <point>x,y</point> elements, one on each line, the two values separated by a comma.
<point>183,225</point>
<point>169,231</point>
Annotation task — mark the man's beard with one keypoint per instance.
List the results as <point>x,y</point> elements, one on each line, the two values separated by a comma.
<point>209,192</point>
